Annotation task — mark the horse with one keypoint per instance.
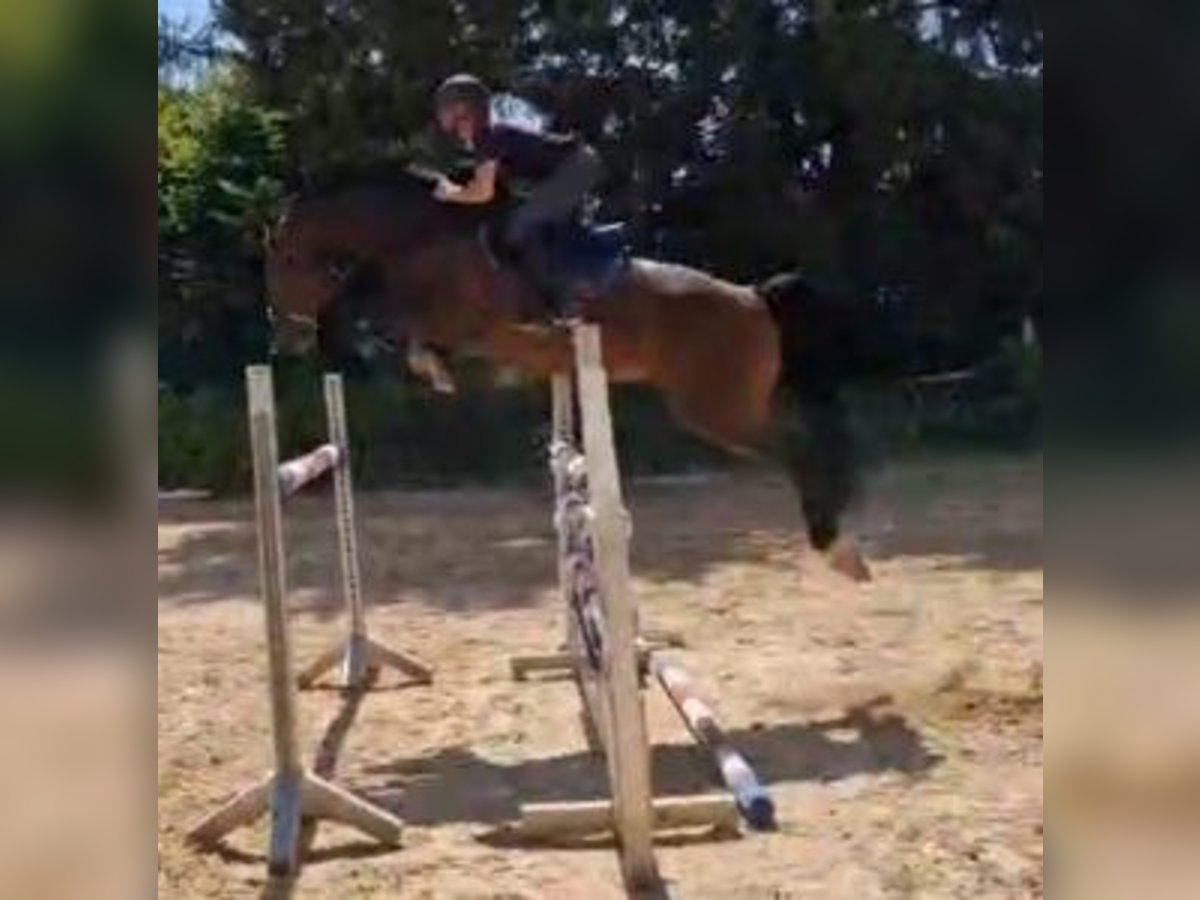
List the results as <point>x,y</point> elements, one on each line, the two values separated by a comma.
<point>726,357</point>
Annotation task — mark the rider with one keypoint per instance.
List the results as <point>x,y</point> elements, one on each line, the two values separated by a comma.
<point>556,170</point>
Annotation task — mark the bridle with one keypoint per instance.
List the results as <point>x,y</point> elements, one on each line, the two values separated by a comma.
<point>338,271</point>
<point>368,341</point>
<point>306,321</point>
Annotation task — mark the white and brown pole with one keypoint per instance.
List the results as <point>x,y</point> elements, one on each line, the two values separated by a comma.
<point>753,800</point>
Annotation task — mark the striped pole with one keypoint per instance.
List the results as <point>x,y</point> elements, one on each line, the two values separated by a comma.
<point>753,800</point>
<point>296,473</point>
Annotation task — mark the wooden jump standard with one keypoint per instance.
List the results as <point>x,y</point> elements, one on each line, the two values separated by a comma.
<point>603,650</point>
<point>359,657</point>
<point>292,793</point>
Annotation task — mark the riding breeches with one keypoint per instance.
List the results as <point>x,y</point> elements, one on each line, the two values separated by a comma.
<point>557,198</point>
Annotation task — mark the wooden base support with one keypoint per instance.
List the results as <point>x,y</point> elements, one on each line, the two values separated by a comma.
<point>548,821</point>
<point>563,663</point>
<point>290,798</point>
<point>360,659</point>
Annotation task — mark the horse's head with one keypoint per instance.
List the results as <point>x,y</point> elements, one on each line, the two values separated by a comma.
<point>368,249</point>
<point>298,288</point>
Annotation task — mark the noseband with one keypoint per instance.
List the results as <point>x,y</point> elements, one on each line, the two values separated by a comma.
<point>306,321</point>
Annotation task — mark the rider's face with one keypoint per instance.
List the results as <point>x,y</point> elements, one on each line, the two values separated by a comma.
<point>457,119</point>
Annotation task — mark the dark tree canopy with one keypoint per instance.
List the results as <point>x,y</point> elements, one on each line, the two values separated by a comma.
<point>892,149</point>
<point>889,148</point>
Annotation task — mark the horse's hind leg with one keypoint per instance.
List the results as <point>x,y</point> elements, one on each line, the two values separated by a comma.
<point>820,455</point>
<point>733,416</point>
<point>818,451</point>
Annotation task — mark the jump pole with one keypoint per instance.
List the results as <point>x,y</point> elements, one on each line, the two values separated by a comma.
<point>292,792</point>
<point>603,651</point>
<point>753,800</point>
<point>359,657</point>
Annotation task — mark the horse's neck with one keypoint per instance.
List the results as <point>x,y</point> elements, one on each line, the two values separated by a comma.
<point>470,296</point>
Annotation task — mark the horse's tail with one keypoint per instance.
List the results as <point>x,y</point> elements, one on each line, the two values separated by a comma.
<point>826,343</point>
<point>828,340</point>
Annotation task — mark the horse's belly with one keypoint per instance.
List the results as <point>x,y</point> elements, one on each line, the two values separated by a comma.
<point>710,346</point>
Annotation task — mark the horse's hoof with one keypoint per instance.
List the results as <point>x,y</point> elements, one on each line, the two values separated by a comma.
<point>845,556</point>
<point>428,365</point>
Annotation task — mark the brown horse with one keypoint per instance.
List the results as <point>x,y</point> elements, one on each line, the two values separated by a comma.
<point>385,252</point>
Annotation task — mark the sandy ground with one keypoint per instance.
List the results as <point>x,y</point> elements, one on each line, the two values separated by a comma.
<point>899,724</point>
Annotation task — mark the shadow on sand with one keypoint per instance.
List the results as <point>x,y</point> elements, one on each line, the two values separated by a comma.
<point>458,786</point>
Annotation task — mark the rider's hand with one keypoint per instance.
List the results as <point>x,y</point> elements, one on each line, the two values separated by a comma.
<point>445,189</point>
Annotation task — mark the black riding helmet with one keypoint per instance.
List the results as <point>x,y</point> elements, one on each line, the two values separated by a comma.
<point>462,88</point>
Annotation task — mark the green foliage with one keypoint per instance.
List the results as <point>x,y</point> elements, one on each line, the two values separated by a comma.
<point>221,160</point>
<point>998,404</point>
<point>220,173</point>
<point>403,435</point>
<point>202,440</point>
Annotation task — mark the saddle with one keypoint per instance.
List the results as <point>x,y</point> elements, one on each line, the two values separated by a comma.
<point>586,260</point>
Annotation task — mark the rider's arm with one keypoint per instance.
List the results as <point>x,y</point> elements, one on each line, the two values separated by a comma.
<point>480,189</point>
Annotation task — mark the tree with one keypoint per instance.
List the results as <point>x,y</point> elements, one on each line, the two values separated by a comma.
<point>893,150</point>
<point>220,170</point>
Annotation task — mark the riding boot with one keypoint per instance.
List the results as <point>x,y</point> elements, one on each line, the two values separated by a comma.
<point>538,265</point>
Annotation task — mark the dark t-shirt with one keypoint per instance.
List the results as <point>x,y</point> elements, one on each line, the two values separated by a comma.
<point>524,155</point>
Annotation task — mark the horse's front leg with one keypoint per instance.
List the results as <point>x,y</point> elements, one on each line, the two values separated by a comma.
<point>430,366</point>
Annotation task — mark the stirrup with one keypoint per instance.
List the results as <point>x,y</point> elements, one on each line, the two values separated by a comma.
<point>567,319</point>
<point>566,314</point>
<point>566,308</point>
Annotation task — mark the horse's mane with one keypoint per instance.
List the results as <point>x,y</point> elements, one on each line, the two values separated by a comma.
<point>390,175</point>
<point>390,181</point>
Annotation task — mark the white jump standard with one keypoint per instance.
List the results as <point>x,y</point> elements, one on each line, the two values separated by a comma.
<point>359,657</point>
<point>603,650</point>
<point>292,793</point>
